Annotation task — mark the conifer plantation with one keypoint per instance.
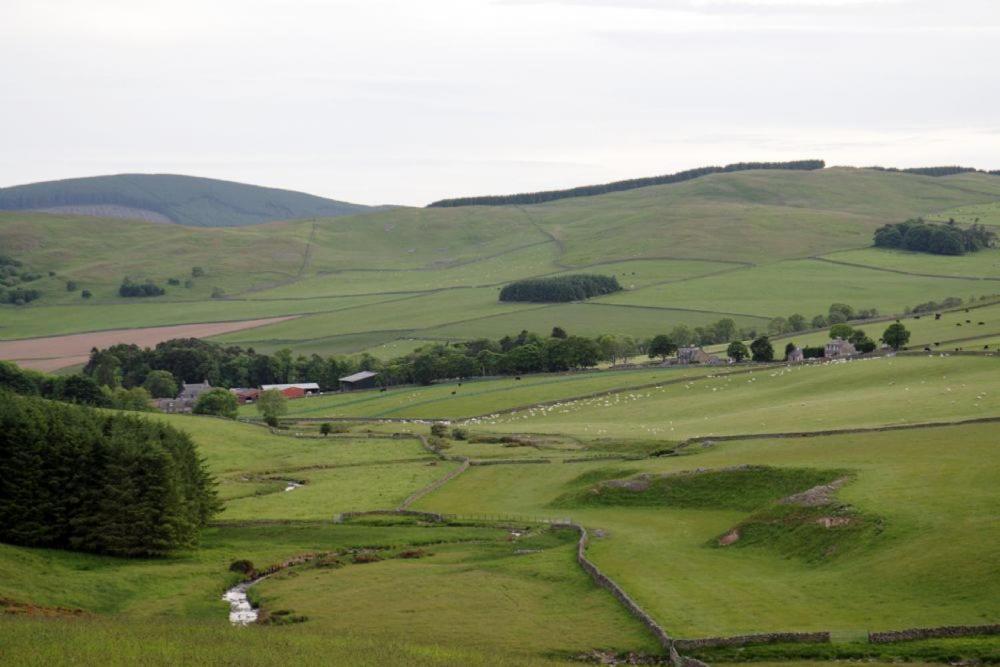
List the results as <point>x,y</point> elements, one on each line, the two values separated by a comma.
<point>75,478</point>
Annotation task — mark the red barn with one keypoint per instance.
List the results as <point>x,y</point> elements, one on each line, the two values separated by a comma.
<point>296,390</point>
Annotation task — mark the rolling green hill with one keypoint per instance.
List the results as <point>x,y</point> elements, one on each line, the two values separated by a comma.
<point>185,200</point>
<point>750,245</point>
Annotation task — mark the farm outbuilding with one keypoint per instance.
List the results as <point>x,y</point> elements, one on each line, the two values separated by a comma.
<point>360,380</point>
<point>293,390</point>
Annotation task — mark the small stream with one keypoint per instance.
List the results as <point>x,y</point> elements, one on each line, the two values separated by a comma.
<point>240,610</point>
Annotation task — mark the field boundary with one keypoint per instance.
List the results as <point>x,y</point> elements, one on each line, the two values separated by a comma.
<point>832,432</point>
<point>900,271</point>
<point>608,583</point>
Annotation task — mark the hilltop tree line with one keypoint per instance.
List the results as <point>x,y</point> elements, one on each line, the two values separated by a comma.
<point>948,170</point>
<point>618,186</point>
<point>938,239</point>
<point>74,478</point>
<point>560,288</point>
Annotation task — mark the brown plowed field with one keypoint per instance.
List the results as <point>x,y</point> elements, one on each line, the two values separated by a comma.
<point>55,352</point>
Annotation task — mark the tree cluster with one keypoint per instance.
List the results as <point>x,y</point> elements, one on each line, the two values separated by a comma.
<point>74,478</point>
<point>560,288</point>
<point>12,276</point>
<point>618,186</point>
<point>132,288</point>
<point>836,314</point>
<point>938,239</point>
<point>162,369</point>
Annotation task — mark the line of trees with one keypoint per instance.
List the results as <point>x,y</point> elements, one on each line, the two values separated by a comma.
<point>560,288</point>
<point>618,186</point>
<point>161,370</point>
<point>836,314</point>
<point>948,170</point>
<point>75,478</point>
<point>937,239</point>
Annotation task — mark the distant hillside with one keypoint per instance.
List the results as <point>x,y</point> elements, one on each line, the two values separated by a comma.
<point>185,200</point>
<point>619,186</point>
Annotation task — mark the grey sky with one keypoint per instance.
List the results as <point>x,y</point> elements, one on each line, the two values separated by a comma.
<point>381,101</point>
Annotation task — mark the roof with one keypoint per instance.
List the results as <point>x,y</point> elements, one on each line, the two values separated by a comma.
<point>358,377</point>
<point>307,386</point>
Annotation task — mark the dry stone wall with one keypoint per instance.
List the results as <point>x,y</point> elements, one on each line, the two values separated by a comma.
<point>946,631</point>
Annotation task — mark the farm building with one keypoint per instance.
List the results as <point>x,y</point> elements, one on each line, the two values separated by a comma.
<point>185,400</point>
<point>839,348</point>
<point>293,390</point>
<point>191,392</point>
<point>360,380</point>
<point>795,355</point>
<point>696,355</point>
<point>245,394</point>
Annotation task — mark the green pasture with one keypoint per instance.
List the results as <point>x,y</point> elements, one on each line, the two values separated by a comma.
<point>526,595</point>
<point>807,397</point>
<point>38,319</point>
<point>230,447</point>
<point>754,216</point>
<point>807,287</point>
<point>983,214</point>
<point>677,249</point>
<point>984,264</point>
<point>534,259</point>
<point>925,330</point>
<point>121,642</point>
<point>929,489</point>
<point>327,492</point>
<point>450,400</point>
<point>188,585</point>
<point>591,318</point>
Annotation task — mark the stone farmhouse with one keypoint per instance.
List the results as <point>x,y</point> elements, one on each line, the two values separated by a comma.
<point>839,348</point>
<point>185,400</point>
<point>695,355</point>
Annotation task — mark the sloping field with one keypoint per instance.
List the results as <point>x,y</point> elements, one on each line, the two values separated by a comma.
<point>810,397</point>
<point>961,327</point>
<point>806,286</point>
<point>454,400</point>
<point>698,239</point>
<point>931,493</point>
<point>52,353</point>
<point>981,265</point>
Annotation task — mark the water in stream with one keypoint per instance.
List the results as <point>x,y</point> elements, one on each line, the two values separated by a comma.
<point>240,610</point>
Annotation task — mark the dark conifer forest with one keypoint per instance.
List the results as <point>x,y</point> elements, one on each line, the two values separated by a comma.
<point>72,477</point>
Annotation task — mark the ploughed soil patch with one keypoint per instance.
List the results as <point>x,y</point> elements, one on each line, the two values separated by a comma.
<point>745,487</point>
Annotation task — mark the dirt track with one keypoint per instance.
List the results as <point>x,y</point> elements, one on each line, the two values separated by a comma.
<point>54,352</point>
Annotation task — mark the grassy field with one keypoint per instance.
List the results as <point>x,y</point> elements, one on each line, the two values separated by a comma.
<point>765,290</point>
<point>812,397</point>
<point>928,489</point>
<point>495,595</point>
<point>983,214</point>
<point>689,253</point>
<point>976,265</point>
<point>909,539</point>
<point>477,397</point>
<point>925,330</point>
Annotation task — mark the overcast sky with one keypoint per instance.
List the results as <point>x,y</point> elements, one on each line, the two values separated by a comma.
<point>385,101</point>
